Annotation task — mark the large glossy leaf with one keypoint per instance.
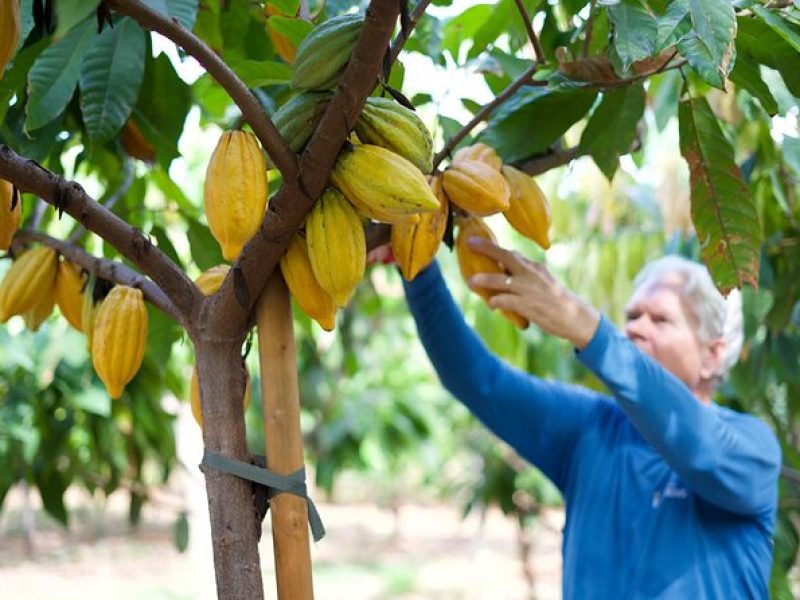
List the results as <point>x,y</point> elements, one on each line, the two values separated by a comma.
<point>14,79</point>
<point>295,29</point>
<point>533,120</point>
<point>789,32</point>
<point>673,25</point>
<point>612,127</point>
<point>111,77</point>
<point>757,40</point>
<point>464,27</point>
<point>72,12</point>
<point>256,73</point>
<point>183,10</point>
<point>746,75</point>
<point>54,75</point>
<point>635,31</point>
<point>723,211</point>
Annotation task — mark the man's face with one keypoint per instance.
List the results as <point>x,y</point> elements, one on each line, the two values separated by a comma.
<point>659,324</point>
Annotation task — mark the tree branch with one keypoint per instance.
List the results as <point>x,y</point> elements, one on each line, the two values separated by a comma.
<point>484,113</point>
<point>103,267</point>
<point>277,148</point>
<point>556,158</point>
<point>112,200</point>
<point>294,200</point>
<point>402,37</point>
<point>537,48</point>
<point>70,197</point>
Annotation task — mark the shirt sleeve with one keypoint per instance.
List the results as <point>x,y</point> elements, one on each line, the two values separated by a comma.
<point>732,460</point>
<point>541,420</point>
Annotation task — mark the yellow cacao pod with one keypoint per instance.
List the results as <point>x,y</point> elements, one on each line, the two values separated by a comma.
<point>10,213</point>
<point>30,278</point>
<point>119,337</point>
<point>476,187</point>
<point>87,315</point>
<point>9,32</point>
<point>210,280</point>
<point>414,246</point>
<point>480,152</point>
<point>382,185</point>
<point>337,247</point>
<point>471,262</point>
<point>283,45</point>
<point>69,294</point>
<point>303,285</point>
<point>528,211</point>
<point>194,396</point>
<point>39,312</point>
<point>135,144</point>
<point>235,191</point>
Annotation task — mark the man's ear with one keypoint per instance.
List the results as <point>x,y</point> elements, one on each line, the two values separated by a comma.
<point>713,355</point>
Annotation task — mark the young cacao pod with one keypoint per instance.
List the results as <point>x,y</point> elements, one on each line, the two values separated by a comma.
<point>471,262</point>
<point>235,191</point>
<point>528,211</point>
<point>303,285</point>
<point>337,247</point>
<point>386,123</point>
<point>476,187</point>
<point>119,337</point>
<point>135,144</point>
<point>480,152</point>
<point>282,44</point>
<point>323,54</point>
<point>9,32</point>
<point>38,313</point>
<point>10,213</point>
<point>68,293</point>
<point>194,396</point>
<point>30,278</point>
<point>298,118</point>
<point>382,185</point>
<point>210,280</point>
<point>414,246</point>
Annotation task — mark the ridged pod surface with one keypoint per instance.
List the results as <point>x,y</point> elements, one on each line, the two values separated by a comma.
<point>210,280</point>
<point>87,314</point>
<point>39,312</point>
<point>471,262</point>
<point>68,294</point>
<point>235,191</point>
<point>298,118</point>
<point>476,187</point>
<point>194,396</point>
<point>414,246</point>
<point>119,338</point>
<point>30,278</point>
<point>303,285</point>
<point>480,152</point>
<point>10,213</point>
<point>323,54</point>
<point>135,144</point>
<point>382,185</point>
<point>386,123</point>
<point>283,45</point>
<point>9,31</point>
<point>528,211</point>
<point>337,247</point>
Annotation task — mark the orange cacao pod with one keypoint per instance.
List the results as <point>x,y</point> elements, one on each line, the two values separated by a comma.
<point>69,294</point>
<point>528,211</point>
<point>10,213</point>
<point>30,278</point>
<point>303,285</point>
<point>476,187</point>
<point>480,152</point>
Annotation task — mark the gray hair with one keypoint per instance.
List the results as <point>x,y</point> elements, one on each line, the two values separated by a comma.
<point>717,316</point>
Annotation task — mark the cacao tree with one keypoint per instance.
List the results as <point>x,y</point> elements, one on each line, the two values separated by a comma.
<point>92,114</point>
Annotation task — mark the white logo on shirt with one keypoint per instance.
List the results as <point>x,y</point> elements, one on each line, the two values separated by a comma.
<point>670,491</point>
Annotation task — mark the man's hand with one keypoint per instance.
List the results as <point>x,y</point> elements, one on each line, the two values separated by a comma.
<point>531,291</point>
<point>382,254</point>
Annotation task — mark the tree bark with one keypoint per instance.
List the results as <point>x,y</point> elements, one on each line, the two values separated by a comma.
<point>234,522</point>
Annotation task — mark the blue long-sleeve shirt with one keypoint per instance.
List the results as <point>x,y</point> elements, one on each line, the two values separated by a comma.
<point>665,497</point>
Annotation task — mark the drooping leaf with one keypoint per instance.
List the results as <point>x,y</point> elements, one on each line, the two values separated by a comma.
<point>746,75</point>
<point>789,32</point>
<point>14,79</point>
<point>257,73</point>
<point>165,244</point>
<point>185,11</point>
<point>72,12</point>
<point>673,25</point>
<point>111,77</point>
<point>635,31</point>
<point>294,28</point>
<point>723,211</point>
<point>612,127</point>
<point>54,75</point>
<point>709,48</point>
<point>205,249</point>
<point>464,27</point>
<point>757,40</point>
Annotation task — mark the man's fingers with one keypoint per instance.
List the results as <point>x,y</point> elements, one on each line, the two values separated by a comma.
<point>492,281</point>
<point>510,260</point>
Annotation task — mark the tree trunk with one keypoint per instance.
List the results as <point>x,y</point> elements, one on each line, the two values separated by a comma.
<point>234,524</point>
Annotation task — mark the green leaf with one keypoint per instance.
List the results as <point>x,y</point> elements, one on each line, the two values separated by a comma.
<point>183,10</point>
<point>165,244</point>
<point>26,23</point>
<point>94,400</point>
<point>111,77</point>
<point>205,249</point>
<point>757,40</point>
<point>709,48</point>
<point>612,127</point>
<point>746,75</point>
<point>780,25</point>
<point>533,119</point>
<point>723,211</point>
<point>791,152</point>
<point>54,75</point>
<point>294,28</point>
<point>674,25</point>
<point>163,332</point>
<point>464,27</point>
<point>14,79</point>
<point>287,7</point>
<point>172,191</point>
<point>256,73</point>
<point>181,532</point>
<point>635,31</point>
<point>72,12</point>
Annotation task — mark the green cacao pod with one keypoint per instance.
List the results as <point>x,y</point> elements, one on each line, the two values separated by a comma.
<point>386,123</point>
<point>235,191</point>
<point>10,213</point>
<point>297,119</point>
<point>323,54</point>
<point>30,278</point>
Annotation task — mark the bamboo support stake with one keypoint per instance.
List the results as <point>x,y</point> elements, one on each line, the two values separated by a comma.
<point>284,444</point>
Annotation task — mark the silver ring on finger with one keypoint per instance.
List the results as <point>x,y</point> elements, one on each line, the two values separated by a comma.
<point>507,282</point>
